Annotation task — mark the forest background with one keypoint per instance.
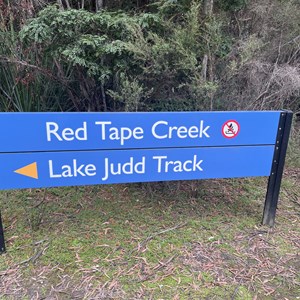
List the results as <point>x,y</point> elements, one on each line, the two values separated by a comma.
<point>149,55</point>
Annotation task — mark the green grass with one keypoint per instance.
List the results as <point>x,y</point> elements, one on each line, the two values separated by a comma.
<point>191,240</point>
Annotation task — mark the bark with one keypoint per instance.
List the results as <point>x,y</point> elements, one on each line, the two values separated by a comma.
<point>60,4</point>
<point>208,59</point>
<point>204,67</point>
<point>208,7</point>
<point>103,97</point>
<point>211,66</point>
<point>68,4</point>
<point>99,5</point>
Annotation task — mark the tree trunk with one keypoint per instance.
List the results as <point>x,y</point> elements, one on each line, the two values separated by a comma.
<point>60,4</point>
<point>99,5</point>
<point>68,4</point>
<point>206,62</point>
<point>208,7</point>
<point>208,59</point>
<point>204,67</point>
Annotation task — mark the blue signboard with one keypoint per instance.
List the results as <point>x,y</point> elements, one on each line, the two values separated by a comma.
<point>27,132</point>
<point>63,149</point>
<point>47,169</point>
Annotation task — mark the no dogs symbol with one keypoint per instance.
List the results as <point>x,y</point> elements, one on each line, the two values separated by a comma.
<point>230,129</point>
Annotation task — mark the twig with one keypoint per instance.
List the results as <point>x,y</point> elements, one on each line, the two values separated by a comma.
<point>149,238</point>
<point>43,199</point>
<point>7,272</point>
<point>157,268</point>
<point>163,264</point>
<point>34,257</point>
<point>235,292</point>
<point>4,59</point>
<point>292,198</point>
<point>40,242</point>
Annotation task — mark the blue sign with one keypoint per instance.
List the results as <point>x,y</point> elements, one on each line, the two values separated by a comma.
<point>22,132</point>
<point>63,149</point>
<point>47,169</point>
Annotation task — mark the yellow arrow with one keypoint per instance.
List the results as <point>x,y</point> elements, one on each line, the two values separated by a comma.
<point>29,170</point>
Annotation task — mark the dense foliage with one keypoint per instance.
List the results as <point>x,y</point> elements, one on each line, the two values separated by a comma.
<point>149,55</point>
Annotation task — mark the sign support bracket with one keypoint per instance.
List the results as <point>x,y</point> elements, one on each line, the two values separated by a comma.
<point>275,177</point>
<point>2,242</point>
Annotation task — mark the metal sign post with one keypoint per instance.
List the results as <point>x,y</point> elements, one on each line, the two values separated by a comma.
<point>2,242</point>
<point>274,183</point>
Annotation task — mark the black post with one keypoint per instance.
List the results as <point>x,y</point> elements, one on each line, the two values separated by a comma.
<point>274,183</point>
<point>2,242</point>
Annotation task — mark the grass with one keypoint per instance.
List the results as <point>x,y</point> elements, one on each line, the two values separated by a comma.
<point>188,240</point>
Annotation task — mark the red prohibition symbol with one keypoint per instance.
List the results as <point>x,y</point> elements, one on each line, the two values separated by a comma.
<point>230,129</point>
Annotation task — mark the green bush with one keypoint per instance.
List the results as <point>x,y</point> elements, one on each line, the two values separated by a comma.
<point>125,62</point>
